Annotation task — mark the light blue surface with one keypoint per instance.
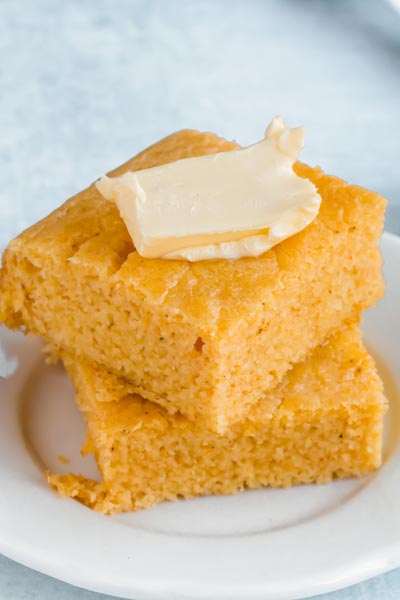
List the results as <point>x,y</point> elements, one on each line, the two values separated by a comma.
<point>86,84</point>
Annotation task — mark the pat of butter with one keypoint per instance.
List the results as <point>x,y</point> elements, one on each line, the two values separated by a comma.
<point>226,205</point>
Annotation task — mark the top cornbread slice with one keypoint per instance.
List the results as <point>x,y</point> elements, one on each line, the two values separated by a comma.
<point>207,338</point>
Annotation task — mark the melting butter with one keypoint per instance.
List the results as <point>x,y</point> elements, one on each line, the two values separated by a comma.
<point>227,205</point>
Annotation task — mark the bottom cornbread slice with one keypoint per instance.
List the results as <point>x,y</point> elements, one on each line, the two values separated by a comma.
<point>323,421</point>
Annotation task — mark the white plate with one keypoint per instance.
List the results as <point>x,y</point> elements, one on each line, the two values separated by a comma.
<point>395,4</point>
<point>256,545</point>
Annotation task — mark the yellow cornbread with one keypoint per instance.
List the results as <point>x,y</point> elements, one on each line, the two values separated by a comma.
<point>207,339</point>
<point>323,421</point>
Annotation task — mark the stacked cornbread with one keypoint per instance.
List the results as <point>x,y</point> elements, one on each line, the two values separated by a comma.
<point>211,376</point>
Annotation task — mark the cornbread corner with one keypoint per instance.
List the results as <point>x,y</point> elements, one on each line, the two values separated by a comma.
<point>208,338</point>
<point>324,421</point>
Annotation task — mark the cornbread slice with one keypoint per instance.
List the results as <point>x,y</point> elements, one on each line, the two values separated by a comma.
<point>208,338</point>
<point>323,421</point>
